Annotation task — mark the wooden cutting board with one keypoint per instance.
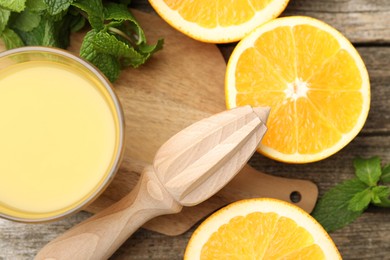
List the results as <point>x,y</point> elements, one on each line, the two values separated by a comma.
<point>178,86</point>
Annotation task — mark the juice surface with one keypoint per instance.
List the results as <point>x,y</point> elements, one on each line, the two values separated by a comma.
<point>57,138</point>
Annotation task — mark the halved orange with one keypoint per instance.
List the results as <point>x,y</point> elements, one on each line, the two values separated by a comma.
<point>217,21</point>
<point>313,79</point>
<point>261,229</point>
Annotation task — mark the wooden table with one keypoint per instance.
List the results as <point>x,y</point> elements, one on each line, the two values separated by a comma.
<point>367,24</point>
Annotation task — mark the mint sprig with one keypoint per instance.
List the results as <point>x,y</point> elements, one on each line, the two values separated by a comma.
<point>345,202</point>
<point>115,40</point>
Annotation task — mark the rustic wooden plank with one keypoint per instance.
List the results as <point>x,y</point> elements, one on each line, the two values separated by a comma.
<point>377,60</point>
<point>361,21</point>
<point>367,238</point>
<point>19,241</point>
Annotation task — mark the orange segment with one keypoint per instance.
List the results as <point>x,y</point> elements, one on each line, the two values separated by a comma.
<point>282,133</point>
<point>237,244</point>
<point>310,252</point>
<point>312,78</point>
<point>313,46</point>
<point>217,21</point>
<point>255,70</point>
<point>329,105</point>
<point>339,72</point>
<point>315,133</point>
<point>282,59</point>
<point>189,10</point>
<point>260,229</point>
<point>234,12</point>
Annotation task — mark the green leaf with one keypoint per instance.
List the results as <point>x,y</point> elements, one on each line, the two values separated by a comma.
<point>121,13</point>
<point>368,170</point>
<point>106,63</point>
<point>360,200</point>
<point>94,10</point>
<point>146,50</point>
<point>57,6</point>
<point>13,5</point>
<point>36,5</point>
<point>4,17</point>
<point>87,50</point>
<point>332,211</point>
<point>48,33</point>
<point>380,195</point>
<point>150,49</point>
<point>11,39</point>
<point>26,20</point>
<point>43,34</point>
<point>385,178</point>
<point>109,44</point>
<point>113,11</point>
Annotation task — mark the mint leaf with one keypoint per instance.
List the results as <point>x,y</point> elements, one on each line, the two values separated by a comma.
<point>120,13</point>
<point>113,11</point>
<point>43,34</point>
<point>368,170</point>
<point>11,39</point>
<point>48,33</point>
<point>385,178</point>
<point>109,44</point>
<point>94,10</point>
<point>13,5</point>
<point>345,202</point>
<point>124,37</point>
<point>150,49</point>
<point>4,16</point>
<point>360,200</point>
<point>332,211</point>
<point>87,50</point>
<point>107,64</point>
<point>57,6</point>
<point>380,196</point>
<point>26,20</point>
<point>146,50</point>
<point>36,5</point>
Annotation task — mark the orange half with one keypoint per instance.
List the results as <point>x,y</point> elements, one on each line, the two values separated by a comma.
<point>217,21</point>
<point>313,79</point>
<point>261,229</point>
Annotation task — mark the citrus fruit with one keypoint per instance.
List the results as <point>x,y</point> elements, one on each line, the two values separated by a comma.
<point>312,78</point>
<point>261,229</point>
<point>217,21</point>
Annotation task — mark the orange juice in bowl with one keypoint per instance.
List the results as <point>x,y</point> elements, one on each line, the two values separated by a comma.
<point>61,133</point>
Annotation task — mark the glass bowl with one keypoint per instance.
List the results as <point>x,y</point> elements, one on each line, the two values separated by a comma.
<point>61,133</point>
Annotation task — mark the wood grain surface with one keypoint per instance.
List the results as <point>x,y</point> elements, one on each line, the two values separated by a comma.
<point>366,23</point>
